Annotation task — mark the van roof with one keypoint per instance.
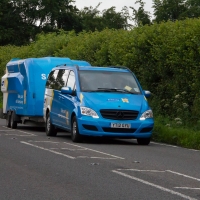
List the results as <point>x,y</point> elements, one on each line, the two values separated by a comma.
<point>97,68</point>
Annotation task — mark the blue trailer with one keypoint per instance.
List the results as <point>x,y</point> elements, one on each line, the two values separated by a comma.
<point>23,88</point>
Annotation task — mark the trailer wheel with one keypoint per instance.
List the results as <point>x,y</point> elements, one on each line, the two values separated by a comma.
<point>8,120</point>
<point>50,128</point>
<point>13,123</point>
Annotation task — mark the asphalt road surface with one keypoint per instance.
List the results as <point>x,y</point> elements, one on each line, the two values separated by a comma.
<point>36,167</point>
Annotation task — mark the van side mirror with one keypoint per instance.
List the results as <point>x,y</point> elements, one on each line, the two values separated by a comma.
<point>66,90</point>
<point>147,93</point>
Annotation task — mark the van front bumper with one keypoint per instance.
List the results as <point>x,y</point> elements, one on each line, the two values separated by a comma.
<point>102,127</point>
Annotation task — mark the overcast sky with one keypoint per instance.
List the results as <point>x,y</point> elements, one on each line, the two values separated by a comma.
<point>119,4</point>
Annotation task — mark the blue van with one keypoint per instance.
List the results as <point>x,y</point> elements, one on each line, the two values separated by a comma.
<point>97,101</point>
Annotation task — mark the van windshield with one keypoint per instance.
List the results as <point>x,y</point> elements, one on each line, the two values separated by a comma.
<point>108,81</point>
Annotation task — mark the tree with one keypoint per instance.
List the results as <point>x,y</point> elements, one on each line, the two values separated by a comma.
<point>92,19</point>
<point>193,9</point>
<point>116,20</point>
<point>165,10</point>
<point>22,20</point>
<point>69,20</point>
<point>13,29</point>
<point>140,16</point>
<point>43,12</point>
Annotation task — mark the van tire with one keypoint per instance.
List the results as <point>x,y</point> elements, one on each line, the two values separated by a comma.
<point>143,141</point>
<point>49,127</point>
<point>12,121</point>
<point>75,136</point>
<point>8,120</point>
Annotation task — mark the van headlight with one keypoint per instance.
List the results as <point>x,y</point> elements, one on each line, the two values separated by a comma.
<point>146,115</point>
<point>89,112</point>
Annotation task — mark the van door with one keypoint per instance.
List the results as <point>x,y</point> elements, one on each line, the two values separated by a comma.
<point>50,96</point>
<point>61,81</point>
<point>67,102</point>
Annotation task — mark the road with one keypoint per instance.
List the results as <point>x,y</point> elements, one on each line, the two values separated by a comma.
<point>36,167</point>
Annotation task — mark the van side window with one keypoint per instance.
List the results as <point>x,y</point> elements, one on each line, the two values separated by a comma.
<point>52,79</point>
<point>71,80</point>
<point>61,79</point>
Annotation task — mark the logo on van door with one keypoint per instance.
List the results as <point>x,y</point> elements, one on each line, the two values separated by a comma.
<point>125,100</point>
<point>44,76</point>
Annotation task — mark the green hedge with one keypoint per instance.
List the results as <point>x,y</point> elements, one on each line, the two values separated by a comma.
<point>165,58</point>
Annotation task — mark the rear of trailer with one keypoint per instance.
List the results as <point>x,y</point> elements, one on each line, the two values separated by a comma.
<point>23,88</point>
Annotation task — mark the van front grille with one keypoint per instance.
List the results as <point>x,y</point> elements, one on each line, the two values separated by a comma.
<point>119,114</point>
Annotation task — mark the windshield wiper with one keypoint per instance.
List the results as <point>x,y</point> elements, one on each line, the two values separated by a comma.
<point>106,89</point>
<point>101,90</point>
<point>111,90</point>
<point>116,90</point>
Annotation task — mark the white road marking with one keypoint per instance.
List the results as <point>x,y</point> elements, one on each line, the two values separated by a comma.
<point>52,151</point>
<point>44,142</point>
<point>6,127</point>
<point>168,145</point>
<point>154,185</point>
<point>80,149</point>
<point>139,170</point>
<point>187,188</point>
<point>27,133</point>
<point>103,158</point>
<point>96,158</point>
<point>82,157</point>
<point>95,151</point>
<point>193,150</point>
<point>16,134</point>
<point>74,149</point>
<point>21,135</point>
<point>197,179</point>
<point>177,173</point>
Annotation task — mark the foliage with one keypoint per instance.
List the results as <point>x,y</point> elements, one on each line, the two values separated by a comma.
<point>22,20</point>
<point>193,9</point>
<point>165,10</point>
<point>172,133</point>
<point>116,20</point>
<point>173,10</point>
<point>13,28</point>
<point>92,19</point>
<point>140,16</point>
<point>48,44</point>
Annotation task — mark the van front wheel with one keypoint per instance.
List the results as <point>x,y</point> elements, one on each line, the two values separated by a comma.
<point>75,136</point>
<point>50,128</point>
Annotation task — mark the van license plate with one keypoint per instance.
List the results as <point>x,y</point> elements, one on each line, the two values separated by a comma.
<point>120,125</point>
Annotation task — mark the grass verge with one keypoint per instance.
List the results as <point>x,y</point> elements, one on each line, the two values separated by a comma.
<point>173,134</point>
